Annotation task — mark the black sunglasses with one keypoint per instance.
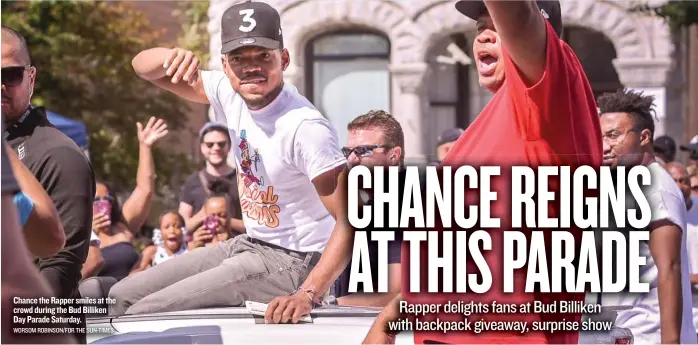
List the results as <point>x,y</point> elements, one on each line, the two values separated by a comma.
<point>106,197</point>
<point>361,150</point>
<point>13,76</point>
<point>220,144</point>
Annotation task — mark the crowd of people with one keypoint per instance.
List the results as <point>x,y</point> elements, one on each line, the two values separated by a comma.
<point>274,229</point>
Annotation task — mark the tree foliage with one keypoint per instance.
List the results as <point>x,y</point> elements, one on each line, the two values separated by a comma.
<point>680,13</point>
<point>82,51</point>
<point>195,36</point>
<point>677,13</point>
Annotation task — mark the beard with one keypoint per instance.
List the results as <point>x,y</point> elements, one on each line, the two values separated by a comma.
<point>261,101</point>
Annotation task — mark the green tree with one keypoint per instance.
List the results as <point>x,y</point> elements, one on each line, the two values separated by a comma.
<point>677,13</point>
<point>195,36</point>
<point>83,51</point>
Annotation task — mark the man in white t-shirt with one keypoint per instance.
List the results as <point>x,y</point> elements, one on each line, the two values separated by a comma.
<point>663,315</point>
<point>680,175</point>
<point>289,161</point>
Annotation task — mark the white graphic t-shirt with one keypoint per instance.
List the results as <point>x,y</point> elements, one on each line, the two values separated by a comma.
<point>692,246</point>
<point>667,203</point>
<point>279,150</point>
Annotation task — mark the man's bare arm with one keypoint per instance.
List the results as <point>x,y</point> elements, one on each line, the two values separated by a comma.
<point>332,187</point>
<point>43,231</point>
<point>665,247</point>
<point>522,30</point>
<point>175,70</point>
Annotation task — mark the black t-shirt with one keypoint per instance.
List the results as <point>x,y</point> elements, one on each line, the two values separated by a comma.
<point>341,285</point>
<point>67,176</point>
<point>194,194</point>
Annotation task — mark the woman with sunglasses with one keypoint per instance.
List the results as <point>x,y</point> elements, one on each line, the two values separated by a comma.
<point>116,226</point>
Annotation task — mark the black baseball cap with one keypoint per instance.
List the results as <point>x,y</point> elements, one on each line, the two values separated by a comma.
<point>550,9</point>
<point>251,24</point>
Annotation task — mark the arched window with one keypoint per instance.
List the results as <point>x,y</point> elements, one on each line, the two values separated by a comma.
<point>347,75</point>
<point>596,53</point>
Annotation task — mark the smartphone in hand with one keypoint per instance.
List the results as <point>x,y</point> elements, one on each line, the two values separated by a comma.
<point>211,224</point>
<point>101,206</point>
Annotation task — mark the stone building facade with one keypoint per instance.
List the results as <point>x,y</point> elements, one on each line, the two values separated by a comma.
<point>413,58</point>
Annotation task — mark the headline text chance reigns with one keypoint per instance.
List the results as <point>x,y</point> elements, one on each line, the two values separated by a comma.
<point>529,187</point>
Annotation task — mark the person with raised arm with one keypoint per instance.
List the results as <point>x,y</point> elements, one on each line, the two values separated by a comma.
<point>543,112</point>
<point>288,165</point>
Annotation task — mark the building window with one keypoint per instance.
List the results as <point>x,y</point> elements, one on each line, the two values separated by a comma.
<point>347,75</point>
<point>452,89</point>
<point>596,53</point>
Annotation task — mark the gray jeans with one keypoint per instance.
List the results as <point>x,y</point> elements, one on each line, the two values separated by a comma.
<point>227,274</point>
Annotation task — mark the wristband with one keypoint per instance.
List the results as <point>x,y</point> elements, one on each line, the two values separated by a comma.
<point>311,295</point>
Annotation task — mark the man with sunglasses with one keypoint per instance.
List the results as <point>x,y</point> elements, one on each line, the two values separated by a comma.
<point>375,139</point>
<point>56,162</point>
<point>215,146</point>
<point>663,315</point>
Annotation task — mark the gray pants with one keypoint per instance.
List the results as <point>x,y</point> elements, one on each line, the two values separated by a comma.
<point>227,274</point>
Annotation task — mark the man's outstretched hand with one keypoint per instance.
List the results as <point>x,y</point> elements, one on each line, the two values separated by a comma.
<point>288,308</point>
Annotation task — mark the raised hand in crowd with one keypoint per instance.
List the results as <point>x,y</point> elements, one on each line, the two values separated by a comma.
<point>152,132</point>
<point>137,207</point>
<point>117,225</point>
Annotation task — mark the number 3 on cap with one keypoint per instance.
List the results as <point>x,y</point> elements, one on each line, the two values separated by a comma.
<point>247,19</point>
